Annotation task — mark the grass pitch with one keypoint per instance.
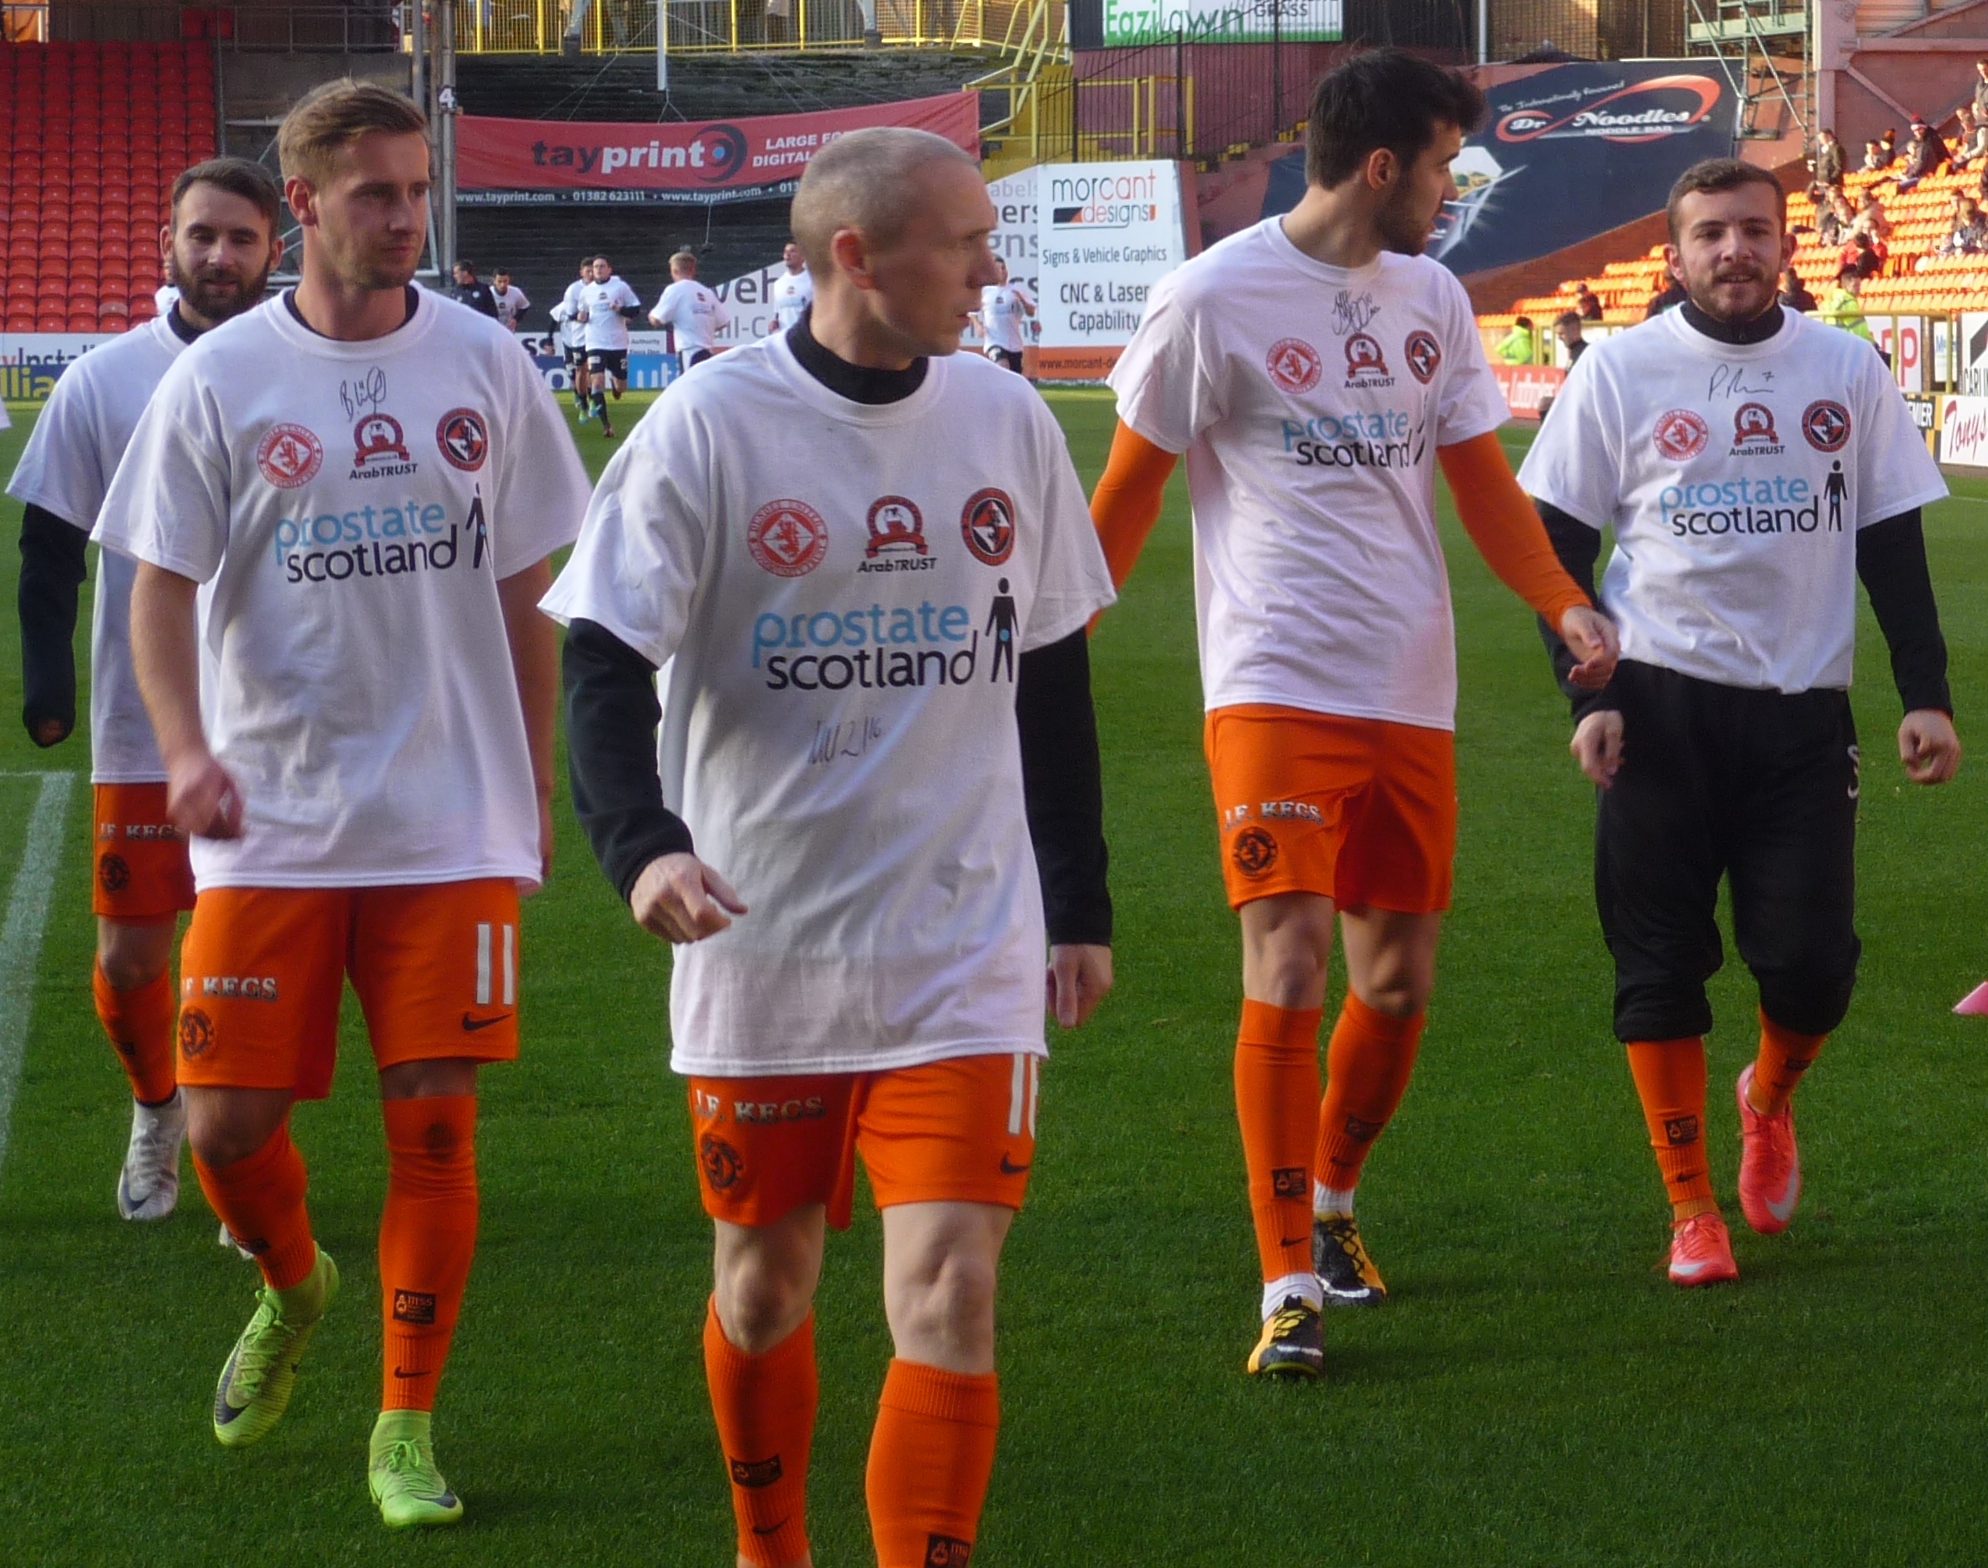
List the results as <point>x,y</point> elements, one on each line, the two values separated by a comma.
<point>1535,1393</point>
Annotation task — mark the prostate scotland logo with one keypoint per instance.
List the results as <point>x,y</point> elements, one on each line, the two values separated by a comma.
<point>464,439</point>
<point>987,524</point>
<point>1424,355</point>
<point>1826,425</point>
<point>289,456</point>
<point>1681,435</point>
<point>787,538</point>
<point>1294,365</point>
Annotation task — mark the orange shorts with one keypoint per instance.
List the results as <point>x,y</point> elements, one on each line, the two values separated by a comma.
<point>961,1130</point>
<point>142,873</point>
<point>1361,811</point>
<point>262,973</point>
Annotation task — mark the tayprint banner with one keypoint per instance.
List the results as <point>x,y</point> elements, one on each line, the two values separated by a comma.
<point>532,162</point>
<point>1569,153</point>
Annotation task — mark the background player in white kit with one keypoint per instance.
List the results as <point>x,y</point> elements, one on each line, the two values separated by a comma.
<point>851,748</point>
<point>573,336</point>
<point>1004,315</point>
<point>511,302</point>
<point>219,250</point>
<point>1754,464</point>
<point>335,629</point>
<point>792,291</point>
<point>606,304</point>
<point>691,311</point>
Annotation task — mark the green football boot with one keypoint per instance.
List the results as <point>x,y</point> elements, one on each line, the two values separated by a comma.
<point>261,1370</point>
<point>401,1473</point>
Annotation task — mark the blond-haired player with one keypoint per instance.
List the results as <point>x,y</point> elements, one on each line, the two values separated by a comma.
<point>878,695</point>
<point>336,634</point>
<point>219,249</point>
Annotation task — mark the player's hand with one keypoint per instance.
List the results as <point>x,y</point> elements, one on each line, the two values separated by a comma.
<point>680,899</point>
<point>1928,746</point>
<point>544,842</point>
<point>1592,638</point>
<point>46,732</point>
<point>1597,746</point>
<point>1079,979</point>
<point>203,798</point>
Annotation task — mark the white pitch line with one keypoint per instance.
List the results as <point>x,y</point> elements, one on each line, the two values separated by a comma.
<point>20,938</point>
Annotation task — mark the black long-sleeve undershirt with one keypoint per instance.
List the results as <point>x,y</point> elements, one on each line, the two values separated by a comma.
<point>53,568</point>
<point>1891,562</point>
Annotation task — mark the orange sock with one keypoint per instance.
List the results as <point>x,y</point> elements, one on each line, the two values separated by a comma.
<point>1670,1081</point>
<point>427,1239</point>
<point>1276,1087</point>
<point>1777,1071</point>
<point>930,1461</point>
<point>765,1406</point>
<point>1367,1067</point>
<point>260,1198</point>
<point>141,1025</point>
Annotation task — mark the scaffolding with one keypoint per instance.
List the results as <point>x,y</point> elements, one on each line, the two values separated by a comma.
<point>1766,52</point>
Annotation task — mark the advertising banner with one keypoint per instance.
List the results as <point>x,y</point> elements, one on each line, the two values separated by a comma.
<point>1222,21</point>
<point>30,362</point>
<point>1904,341</point>
<point>532,162</point>
<point>1974,354</point>
<point>1527,386</point>
<point>1964,431</point>
<point>1571,152</point>
<point>1106,232</point>
<point>1925,409</point>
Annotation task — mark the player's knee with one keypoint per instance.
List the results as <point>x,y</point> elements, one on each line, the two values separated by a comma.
<point>947,1310</point>
<point>224,1129</point>
<point>1812,1001</point>
<point>132,957</point>
<point>1668,1009</point>
<point>1398,991</point>
<point>762,1298</point>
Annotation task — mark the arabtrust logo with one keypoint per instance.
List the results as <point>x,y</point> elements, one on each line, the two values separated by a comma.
<point>1366,365</point>
<point>1753,431</point>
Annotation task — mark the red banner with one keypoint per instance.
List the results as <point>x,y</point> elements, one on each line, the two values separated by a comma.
<point>1527,386</point>
<point>524,162</point>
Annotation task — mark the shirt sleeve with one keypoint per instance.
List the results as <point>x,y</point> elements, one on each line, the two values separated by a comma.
<point>1895,472</point>
<point>1166,391</point>
<point>540,493</point>
<point>61,470</point>
<point>171,499</point>
<point>1470,403</point>
<point>1072,582</point>
<point>1575,463</point>
<point>642,547</point>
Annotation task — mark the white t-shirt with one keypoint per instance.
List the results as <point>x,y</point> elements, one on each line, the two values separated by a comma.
<point>164,297</point>
<point>696,314</point>
<point>572,330</point>
<point>511,303</point>
<point>349,520</point>
<point>603,303</point>
<point>791,294</point>
<point>839,717</point>
<point>71,454</point>
<point>1004,311</point>
<point>1736,478</point>
<point>1310,401</point>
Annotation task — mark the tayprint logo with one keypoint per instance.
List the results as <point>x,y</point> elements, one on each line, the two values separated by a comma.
<point>947,1551</point>
<point>1753,432</point>
<point>1366,366</point>
<point>787,538</point>
<point>1826,425</point>
<point>897,538</point>
<point>987,524</point>
<point>464,439</point>
<point>414,1306</point>
<point>752,1474</point>
<point>1254,852</point>
<point>289,456</point>
<point>1424,355</point>
<point>379,448</point>
<point>723,1165</point>
<point>196,1032</point>
<point>1681,1130</point>
<point>1294,365</point>
<point>1291,1181</point>
<point>1681,435</point>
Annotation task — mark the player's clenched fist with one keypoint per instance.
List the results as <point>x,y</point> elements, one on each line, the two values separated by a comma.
<point>203,799</point>
<point>1597,746</point>
<point>1928,746</point>
<point>680,899</point>
<point>1592,638</point>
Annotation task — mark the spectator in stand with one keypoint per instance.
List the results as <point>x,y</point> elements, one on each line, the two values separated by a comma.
<point>1888,144</point>
<point>1970,141</point>
<point>1981,91</point>
<point>1568,330</point>
<point>1969,234</point>
<point>1519,345</point>
<point>1875,160</point>
<point>1795,294</point>
<point>1871,221</point>
<point>1667,298</point>
<point>1586,305</point>
<point>1834,219</point>
<point>1860,256</point>
<point>1843,308</point>
<point>1827,161</point>
<point>1925,155</point>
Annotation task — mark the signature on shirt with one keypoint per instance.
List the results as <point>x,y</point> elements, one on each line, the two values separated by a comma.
<point>849,738</point>
<point>1352,312</point>
<point>1731,381</point>
<point>364,395</point>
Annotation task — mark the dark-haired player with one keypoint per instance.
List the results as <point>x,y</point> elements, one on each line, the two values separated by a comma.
<point>607,304</point>
<point>219,250</point>
<point>573,337</point>
<point>1754,465</point>
<point>1313,368</point>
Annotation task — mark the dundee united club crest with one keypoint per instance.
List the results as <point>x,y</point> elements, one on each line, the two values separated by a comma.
<point>723,1165</point>
<point>1294,365</point>
<point>1681,435</point>
<point>289,456</point>
<point>464,439</point>
<point>787,538</point>
<point>1255,852</point>
<point>988,526</point>
<point>1826,425</point>
<point>1424,355</point>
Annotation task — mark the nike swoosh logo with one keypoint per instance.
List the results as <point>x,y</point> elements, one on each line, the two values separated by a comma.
<point>397,1372</point>
<point>1293,1241</point>
<point>471,1025</point>
<point>1009,1168</point>
<point>771,1529</point>
<point>1690,1270</point>
<point>1785,1209</point>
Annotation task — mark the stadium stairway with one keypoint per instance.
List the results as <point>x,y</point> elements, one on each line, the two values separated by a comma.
<point>94,135</point>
